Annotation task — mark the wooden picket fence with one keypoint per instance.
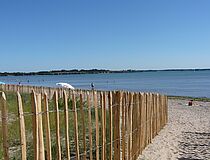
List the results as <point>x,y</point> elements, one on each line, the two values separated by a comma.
<point>87,124</point>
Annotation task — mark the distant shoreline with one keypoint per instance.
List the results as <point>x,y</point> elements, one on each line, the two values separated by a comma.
<point>202,99</point>
<point>91,71</point>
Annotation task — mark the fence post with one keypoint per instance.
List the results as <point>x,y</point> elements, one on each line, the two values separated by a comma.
<point>145,120</point>
<point>83,124</point>
<point>158,113</point>
<point>111,124</point>
<point>130,119</point>
<point>90,125</point>
<point>47,128</point>
<point>138,124</point>
<point>66,121</point>
<point>57,122</point>
<point>102,126</point>
<point>35,126</point>
<point>76,141</point>
<point>4,117</point>
<point>123,124</point>
<point>166,109</point>
<point>97,125</point>
<point>141,120</point>
<point>40,128</point>
<point>155,114</point>
<point>22,127</point>
<point>117,108</point>
<point>161,112</point>
<point>105,102</point>
<point>150,118</point>
<point>152,115</point>
<point>134,142</point>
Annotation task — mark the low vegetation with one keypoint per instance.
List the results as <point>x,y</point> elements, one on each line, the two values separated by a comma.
<point>13,127</point>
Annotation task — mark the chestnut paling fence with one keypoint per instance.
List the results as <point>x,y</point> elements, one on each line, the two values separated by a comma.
<point>55,123</point>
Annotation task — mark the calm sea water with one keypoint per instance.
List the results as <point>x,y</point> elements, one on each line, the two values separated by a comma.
<point>186,83</point>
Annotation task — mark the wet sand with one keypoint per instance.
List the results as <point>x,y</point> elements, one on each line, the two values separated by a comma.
<point>185,137</point>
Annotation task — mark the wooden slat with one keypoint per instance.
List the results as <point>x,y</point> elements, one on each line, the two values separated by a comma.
<point>166,109</point>
<point>76,141</point>
<point>130,119</point>
<point>47,128</point>
<point>158,113</point>
<point>40,127</point>
<point>123,125</point>
<point>111,125</point>
<point>21,127</point>
<point>155,108</point>
<point>151,117</point>
<point>126,124</point>
<point>134,127</point>
<point>148,118</point>
<point>104,103</point>
<point>83,125</point>
<point>138,124</point>
<point>117,105</point>
<point>163,110</point>
<point>161,115</point>
<point>35,125</point>
<point>164,98</point>
<point>155,114</point>
<point>66,122</point>
<point>90,126</point>
<point>4,114</point>
<point>96,123</point>
<point>160,110</point>
<point>129,126</point>
<point>141,120</point>
<point>144,121</point>
<point>164,101</point>
<point>57,124</point>
<point>103,127</point>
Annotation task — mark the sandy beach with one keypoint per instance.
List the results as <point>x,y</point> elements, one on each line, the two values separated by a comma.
<point>185,137</point>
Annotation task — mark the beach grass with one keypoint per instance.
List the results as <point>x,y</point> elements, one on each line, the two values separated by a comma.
<point>13,127</point>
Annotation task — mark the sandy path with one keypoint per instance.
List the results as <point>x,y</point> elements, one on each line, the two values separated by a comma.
<point>187,135</point>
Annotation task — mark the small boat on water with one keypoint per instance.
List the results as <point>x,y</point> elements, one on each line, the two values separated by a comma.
<point>65,85</point>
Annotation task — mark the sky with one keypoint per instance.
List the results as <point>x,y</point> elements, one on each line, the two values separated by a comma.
<point>104,34</point>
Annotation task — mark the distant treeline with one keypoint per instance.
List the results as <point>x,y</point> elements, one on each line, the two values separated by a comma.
<point>83,71</point>
<point>64,72</point>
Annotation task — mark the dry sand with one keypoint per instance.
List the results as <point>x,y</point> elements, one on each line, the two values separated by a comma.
<point>185,137</point>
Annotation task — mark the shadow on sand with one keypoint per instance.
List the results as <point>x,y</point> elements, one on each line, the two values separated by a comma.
<point>194,146</point>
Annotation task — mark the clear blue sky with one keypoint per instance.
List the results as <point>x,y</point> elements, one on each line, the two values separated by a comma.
<point>137,34</point>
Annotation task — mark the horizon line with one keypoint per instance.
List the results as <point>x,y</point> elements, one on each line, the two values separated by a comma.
<point>111,70</point>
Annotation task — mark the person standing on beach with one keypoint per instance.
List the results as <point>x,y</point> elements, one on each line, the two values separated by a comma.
<point>92,85</point>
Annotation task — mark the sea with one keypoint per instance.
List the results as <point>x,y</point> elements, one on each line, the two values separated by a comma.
<point>174,83</point>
